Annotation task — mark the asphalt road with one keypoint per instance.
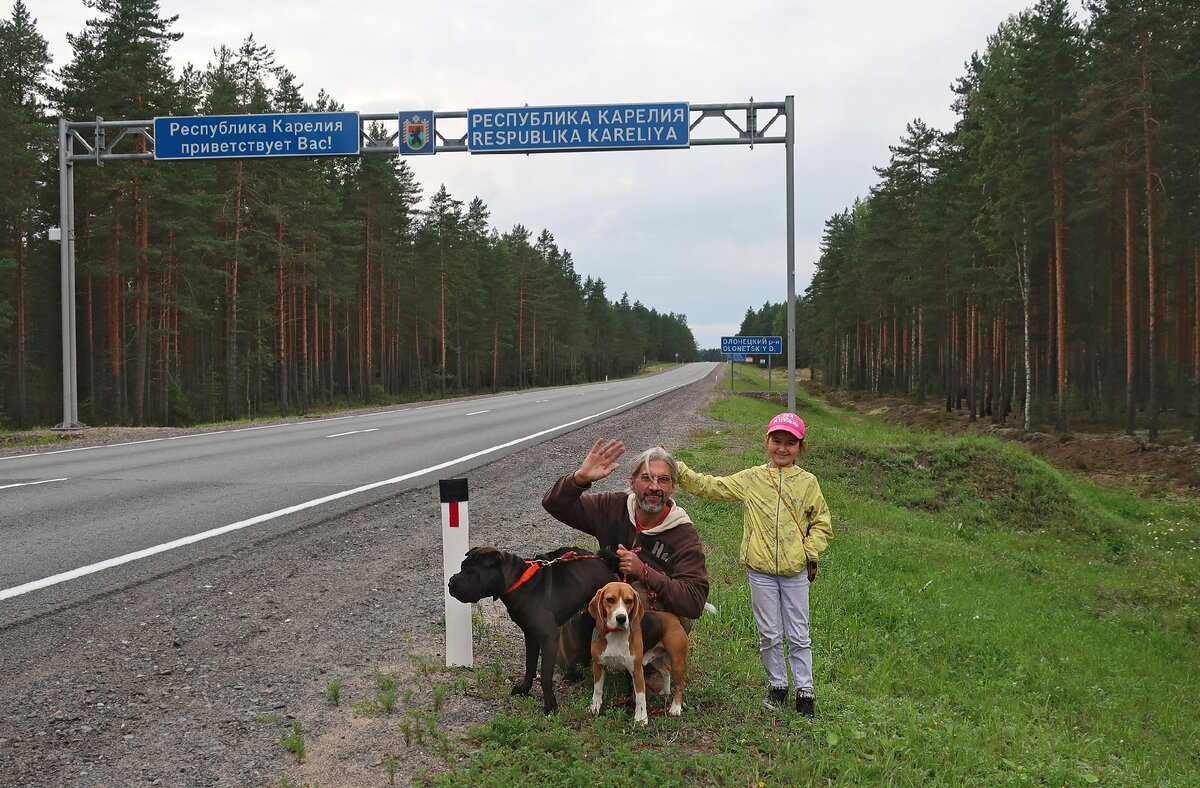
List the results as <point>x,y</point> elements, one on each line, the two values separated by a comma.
<point>80,521</point>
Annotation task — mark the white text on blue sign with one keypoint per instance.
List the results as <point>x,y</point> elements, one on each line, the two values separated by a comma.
<point>229,136</point>
<point>594,127</point>
<point>761,345</point>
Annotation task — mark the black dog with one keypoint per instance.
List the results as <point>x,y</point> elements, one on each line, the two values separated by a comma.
<point>540,594</point>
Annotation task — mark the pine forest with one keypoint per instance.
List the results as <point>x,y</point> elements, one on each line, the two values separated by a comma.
<point>1039,263</point>
<point>234,288</point>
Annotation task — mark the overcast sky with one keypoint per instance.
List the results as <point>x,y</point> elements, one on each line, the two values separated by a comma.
<point>699,231</point>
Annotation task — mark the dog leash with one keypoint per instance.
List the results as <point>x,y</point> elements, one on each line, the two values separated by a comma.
<point>651,596</point>
<point>536,564</point>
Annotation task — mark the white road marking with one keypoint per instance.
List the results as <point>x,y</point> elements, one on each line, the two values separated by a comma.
<point>352,432</point>
<point>478,412</point>
<point>30,484</point>
<point>83,571</point>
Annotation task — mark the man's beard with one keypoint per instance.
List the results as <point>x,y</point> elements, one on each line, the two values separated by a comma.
<point>650,508</point>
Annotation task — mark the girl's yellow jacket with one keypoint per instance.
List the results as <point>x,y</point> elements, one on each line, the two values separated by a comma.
<point>786,522</point>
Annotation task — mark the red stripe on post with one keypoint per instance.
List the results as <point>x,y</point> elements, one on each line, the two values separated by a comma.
<point>454,514</point>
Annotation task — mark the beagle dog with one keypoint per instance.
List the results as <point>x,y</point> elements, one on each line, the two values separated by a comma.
<point>628,637</point>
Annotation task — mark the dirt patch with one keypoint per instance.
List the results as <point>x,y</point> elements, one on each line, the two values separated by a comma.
<point>1104,456</point>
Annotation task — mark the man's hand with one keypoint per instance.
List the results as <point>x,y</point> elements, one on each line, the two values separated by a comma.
<point>600,462</point>
<point>629,563</point>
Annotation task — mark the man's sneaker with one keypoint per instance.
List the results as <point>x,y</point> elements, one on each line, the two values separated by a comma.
<point>805,702</point>
<point>776,698</point>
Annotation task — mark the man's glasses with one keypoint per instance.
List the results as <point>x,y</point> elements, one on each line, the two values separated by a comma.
<point>646,478</point>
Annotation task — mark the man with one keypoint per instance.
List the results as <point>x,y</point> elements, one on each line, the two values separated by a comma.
<point>656,544</point>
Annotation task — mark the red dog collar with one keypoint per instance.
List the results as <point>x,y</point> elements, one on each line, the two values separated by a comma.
<point>534,566</point>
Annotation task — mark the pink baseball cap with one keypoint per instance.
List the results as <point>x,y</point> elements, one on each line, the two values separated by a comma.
<point>788,422</point>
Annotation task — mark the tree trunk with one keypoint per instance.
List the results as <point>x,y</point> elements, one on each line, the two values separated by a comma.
<point>231,299</point>
<point>281,322</point>
<point>1151,262</point>
<point>1060,278</point>
<point>365,312</point>
<point>496,356</point>
<point>442,315</point>
<point>972,358</point>
<point>303,362</point>
<point>114,318</point>
<point>1026,319</point>
<point>1130,314</point>
<point>1196,342</point>
<point>21,318</point>
<point>384,360</point>
<point>920,381</point>
<point>141,310</point>
<point>521,337</point>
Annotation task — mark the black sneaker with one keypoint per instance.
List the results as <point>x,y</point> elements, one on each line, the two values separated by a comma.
<point>776,698</point>
<point>805,703</point>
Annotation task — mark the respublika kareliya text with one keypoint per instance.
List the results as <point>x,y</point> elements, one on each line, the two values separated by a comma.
<point>578,127</point>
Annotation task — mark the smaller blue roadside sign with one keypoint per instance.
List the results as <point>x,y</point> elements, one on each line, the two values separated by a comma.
<point>760,345</point>
<point>237,136</point>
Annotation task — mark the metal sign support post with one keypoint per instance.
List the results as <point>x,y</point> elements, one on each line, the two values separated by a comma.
<point>66,253</point>
<point>790,148</point>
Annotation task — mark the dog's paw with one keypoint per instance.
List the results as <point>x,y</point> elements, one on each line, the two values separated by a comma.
<point>675,710</point>
<point>709,608</point>
<point>594,708</point>
<point>519,690</point>
<point>639,708</point>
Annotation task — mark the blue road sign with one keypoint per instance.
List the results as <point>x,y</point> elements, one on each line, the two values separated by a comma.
<point>416,132</point>
<point>237,136</point>
<point>567,128</point>
<point>760,345</point>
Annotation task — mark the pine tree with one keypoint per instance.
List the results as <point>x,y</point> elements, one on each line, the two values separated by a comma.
<point>25,149</point>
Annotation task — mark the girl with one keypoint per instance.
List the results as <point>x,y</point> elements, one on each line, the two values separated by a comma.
<point>786,525</point>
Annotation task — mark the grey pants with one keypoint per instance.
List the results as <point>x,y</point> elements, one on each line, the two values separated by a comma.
<point>781,611</point>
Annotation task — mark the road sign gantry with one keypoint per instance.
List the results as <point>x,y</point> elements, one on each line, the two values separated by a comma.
<point>612,127</point>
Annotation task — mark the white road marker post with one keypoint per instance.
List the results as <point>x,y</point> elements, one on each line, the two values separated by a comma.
<point>455,543</point>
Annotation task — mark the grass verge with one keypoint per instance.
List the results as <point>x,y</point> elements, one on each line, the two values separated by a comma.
<point>981,619</point>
